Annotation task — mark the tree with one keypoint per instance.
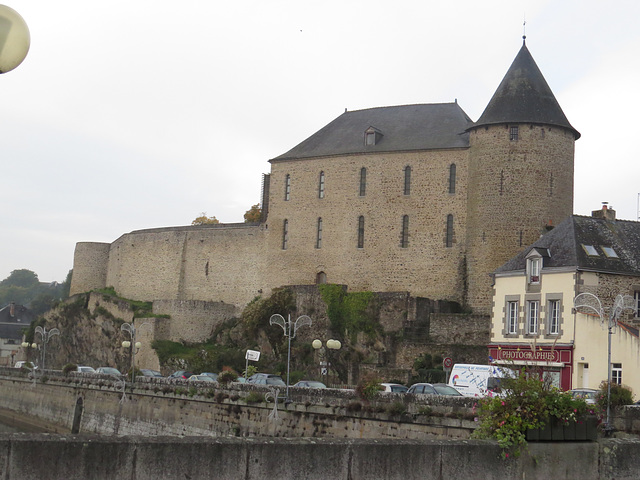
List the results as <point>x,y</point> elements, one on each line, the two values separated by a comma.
<point>254,214</point>
<point>204,220</point>
<point>21,278</point>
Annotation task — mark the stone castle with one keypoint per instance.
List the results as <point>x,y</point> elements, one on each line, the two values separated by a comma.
<point>412,198</point>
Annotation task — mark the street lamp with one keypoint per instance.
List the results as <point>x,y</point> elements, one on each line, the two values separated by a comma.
<point>588,301</point>
<point>131,330</point>
<point>288,327</point>
<point>46,336</point>
<point>331,345</point>
<point>14,39</point>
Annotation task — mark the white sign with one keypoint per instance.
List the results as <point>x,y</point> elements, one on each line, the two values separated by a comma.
<point>252,355</point>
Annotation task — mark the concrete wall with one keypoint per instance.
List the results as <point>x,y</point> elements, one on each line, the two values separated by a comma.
<point>84,457</point>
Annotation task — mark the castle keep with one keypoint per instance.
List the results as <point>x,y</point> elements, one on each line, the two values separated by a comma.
<point>413,198</point>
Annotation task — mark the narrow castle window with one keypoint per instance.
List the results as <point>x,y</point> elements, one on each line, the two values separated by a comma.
<point>404,236</point>
<point>407,180</point>
<point>551,184</point>
<point>360,231</point>
<point>321,186</point>
<point>321,278</point>
<point>452,178</point>
<point>501,182</point>
<point>513,133</point>
<point>287,187</point>
<point>449,236</point>
<point>285,234</point>
<point>363,181</point>
<point>319,234</point>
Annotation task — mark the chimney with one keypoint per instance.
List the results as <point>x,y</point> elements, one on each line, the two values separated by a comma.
<point>12,309</point>
<point>606,213</point>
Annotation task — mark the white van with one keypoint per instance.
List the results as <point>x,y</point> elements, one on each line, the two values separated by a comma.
<point>477,380</point>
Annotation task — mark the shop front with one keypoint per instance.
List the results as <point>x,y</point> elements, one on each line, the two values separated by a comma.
<point>553,362</point>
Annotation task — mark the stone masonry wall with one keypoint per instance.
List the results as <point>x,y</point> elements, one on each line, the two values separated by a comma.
<point>425,268</point>
<point>90,265</point>
<point>516,188</point>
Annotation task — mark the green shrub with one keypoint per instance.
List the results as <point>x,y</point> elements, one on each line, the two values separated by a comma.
<point>620,395</point>
<point>367,389</point>
<point>397,408</point>
<point>529,403</point>
<point>69,367</point>
<point>254,397</point>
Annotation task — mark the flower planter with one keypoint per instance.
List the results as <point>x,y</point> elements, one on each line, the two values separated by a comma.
<point>584,430</point>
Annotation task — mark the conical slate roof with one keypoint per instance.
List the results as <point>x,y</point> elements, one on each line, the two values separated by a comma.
<point>524,96</point>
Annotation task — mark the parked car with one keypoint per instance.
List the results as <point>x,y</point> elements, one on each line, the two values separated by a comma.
<point>210,374</point>
<point>201,378</point>
<point>151,373</point>
<point>24,364</point>
<point>266,379</point>
<point>85,369</point>
<point>586,394</point>
<point>434,389</point>
<point>108,371</point>
<point>394,387</point>
<point>310,384</point>
<point>185,374</point>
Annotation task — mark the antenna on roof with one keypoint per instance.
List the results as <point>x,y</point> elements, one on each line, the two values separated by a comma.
<point>524,29</point>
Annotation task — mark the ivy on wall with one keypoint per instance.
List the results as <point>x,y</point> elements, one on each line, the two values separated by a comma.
<point>350,312</point>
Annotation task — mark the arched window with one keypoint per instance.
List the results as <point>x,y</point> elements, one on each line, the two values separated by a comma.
<point>287,187</point>
<point>407,180</point>
<point>321,186</point>
<point>452,178</point>
<point>360,231</point>
<point>321,278</point>
<point>449,236</point>
<point>319,234</point>
<point>363,181</point>
<point>285,234</point>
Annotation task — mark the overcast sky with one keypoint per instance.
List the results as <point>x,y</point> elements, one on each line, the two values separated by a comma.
<point>136,114</point>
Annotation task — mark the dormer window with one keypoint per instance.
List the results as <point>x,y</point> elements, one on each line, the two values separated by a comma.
<point>534,265</point>
<point>372,136</point>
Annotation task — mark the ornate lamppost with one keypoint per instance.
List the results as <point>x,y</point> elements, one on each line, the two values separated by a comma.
<point>290,330</point>
<point>330,345</point>
<point>46,336</point>
<point>14,39</point>
<point>590,302</point>
<point>133,345</point>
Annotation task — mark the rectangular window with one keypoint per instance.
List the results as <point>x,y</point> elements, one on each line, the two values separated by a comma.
<point>533,314</point>
<point>553,317</point>
<point>512,318</point>
<point>285,234</point>
<point>407,180</point>
<point>321,186</point>
<point>319,234</point>
<point>534,269</point>
<point>287,187</point>
<point>636,296</point>
<point>363,181</point>
<point>513,133</point>
<point>616,373</point>
<point>448,241</point>
<point>361,232</point>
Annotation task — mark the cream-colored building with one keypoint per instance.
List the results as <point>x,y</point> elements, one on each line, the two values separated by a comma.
<point>534,322</point>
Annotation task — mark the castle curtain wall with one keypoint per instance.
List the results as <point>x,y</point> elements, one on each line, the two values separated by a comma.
<point>212,263</point>
<point>426,267</point>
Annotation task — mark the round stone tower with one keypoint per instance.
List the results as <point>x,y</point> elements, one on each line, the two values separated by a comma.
<point>520,174</point>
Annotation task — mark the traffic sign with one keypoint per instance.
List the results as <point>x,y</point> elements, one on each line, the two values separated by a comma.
<point>447,363</point>
<point>252,355</point>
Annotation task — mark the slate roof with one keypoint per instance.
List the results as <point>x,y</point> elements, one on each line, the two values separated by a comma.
<point>403,128</point>
<point>524,96</point>
<point>565,246</point>
<point>11,326</point>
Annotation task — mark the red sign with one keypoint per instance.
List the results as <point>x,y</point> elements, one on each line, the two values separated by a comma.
<point>448,363</point>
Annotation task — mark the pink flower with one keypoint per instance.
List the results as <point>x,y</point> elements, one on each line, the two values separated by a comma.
<point>503,404</point>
